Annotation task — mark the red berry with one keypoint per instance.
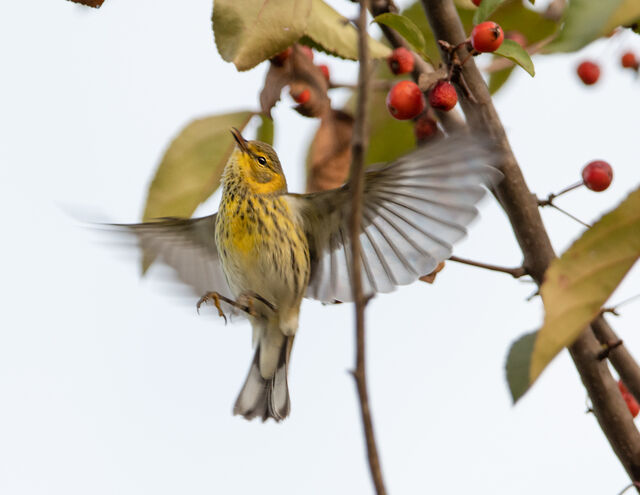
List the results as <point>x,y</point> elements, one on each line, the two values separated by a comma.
<point>307,51</point>
<point>400,61</point>
<point>281,57</point>
<point>486,36</point>
<point>405,101</point>
<point>516,36</point>
<point>476,2</point>
<point>632,403</point>
<point>302,97</point>
<point>443,96</point>
<point>589,72</point>
<point>629,61</point>
<point>597,175</point>
<point>325,71</point>
<point>425,127</point>
<point>623,388</point>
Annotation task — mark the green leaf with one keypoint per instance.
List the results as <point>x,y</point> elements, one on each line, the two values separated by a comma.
<point>586,20</point>
<point>250,31</point>
<point>518,365</point>
<point>405,27</point>
<point>265,130</point>
<point>484,10</point>
<point>333,33</point>
<point>514,52</point>
<point>579,282</point>
<point>499,78</point>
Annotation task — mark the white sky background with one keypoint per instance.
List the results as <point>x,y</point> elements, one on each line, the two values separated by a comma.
<point>109,384</point>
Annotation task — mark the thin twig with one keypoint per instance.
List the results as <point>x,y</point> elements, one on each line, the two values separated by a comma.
<point>514,272</point>
<point>570,215</point>
<point>614,309</point>
<point>356,184</point>
<point>608,347</point>
<point>631,485</point>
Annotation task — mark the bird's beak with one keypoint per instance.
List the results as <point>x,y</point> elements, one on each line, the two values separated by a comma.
<point>242,142</point>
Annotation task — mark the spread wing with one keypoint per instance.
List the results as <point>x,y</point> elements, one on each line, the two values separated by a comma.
<point>188,246</point>
<point>414,209</point>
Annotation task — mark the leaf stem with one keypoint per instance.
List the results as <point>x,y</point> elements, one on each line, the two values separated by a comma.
<point>552,196</point>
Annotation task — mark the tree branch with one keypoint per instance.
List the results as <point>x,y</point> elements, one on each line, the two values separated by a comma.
<point>619,356</point>
<point>356,184</point>
<point>522,209</point>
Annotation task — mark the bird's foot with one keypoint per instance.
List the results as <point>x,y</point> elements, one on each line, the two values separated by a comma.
<point>216,298</point>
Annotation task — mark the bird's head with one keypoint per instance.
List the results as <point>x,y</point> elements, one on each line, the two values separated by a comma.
<point>258,165</point>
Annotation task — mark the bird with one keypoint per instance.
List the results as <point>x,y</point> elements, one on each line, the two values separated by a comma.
<point>266,249</point>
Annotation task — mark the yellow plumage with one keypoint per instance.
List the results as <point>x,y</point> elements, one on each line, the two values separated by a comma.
<point>263,250</point>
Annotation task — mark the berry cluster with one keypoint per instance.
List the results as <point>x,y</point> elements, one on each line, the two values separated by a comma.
<point>589,71</point>
<point>406,101</point>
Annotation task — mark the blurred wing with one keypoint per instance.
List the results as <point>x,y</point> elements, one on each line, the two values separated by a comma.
<point>414,209</point>
<point>188,246</point>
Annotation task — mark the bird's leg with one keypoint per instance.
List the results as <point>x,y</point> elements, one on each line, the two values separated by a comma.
<point>249,297</point>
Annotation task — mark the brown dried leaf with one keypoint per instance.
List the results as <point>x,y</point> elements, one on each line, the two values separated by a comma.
<point>430,278</point>
<point>330,152</point>
<point>297,69</point>
<point>90,3</point>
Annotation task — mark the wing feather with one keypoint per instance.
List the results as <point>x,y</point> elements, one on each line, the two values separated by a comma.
<point>188,246</point>
<point>414,209</point>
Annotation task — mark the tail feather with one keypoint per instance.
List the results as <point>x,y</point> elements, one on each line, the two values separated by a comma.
<point>266,397</point>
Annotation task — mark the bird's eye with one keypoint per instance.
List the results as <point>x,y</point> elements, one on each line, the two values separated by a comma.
<point>262,160</point>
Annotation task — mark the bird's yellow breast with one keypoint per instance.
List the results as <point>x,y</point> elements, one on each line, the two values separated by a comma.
<point>260,241</point>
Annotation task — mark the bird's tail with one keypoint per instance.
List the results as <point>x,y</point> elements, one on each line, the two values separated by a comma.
<point>266,397</point>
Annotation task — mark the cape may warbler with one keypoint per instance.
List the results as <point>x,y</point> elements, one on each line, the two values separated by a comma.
<point>266,248</point>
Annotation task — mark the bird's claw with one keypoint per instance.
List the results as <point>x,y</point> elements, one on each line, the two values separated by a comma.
<point>216,301</point>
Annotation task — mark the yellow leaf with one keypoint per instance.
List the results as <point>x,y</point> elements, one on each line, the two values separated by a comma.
<point>626,13</point>
<point>333,33</point>
<point>250,31</point>
<point>578,283</point>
